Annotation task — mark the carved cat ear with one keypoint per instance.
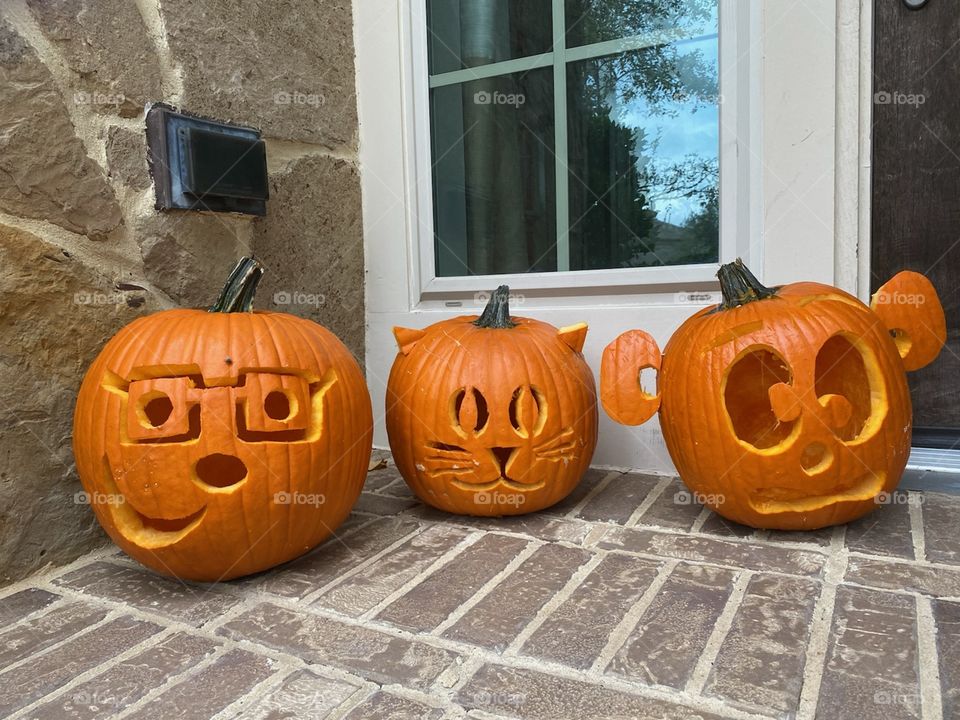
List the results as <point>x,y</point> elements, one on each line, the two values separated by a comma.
<point>407,338</point>
<point>574,335</point>
<point>908,305</point>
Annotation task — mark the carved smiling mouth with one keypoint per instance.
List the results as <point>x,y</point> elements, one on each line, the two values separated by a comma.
<point>145,531</point>
<point>773,500</point>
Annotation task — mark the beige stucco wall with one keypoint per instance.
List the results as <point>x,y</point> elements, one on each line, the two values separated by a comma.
<point>82,250</point>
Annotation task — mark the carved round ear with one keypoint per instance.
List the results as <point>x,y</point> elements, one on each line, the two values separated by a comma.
<point>909,307</point>
<point>407,338</point>
<point>623,398</point>
<point>574,335</point>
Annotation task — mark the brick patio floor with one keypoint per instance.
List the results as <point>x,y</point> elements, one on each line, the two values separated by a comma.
<point>622,602</point>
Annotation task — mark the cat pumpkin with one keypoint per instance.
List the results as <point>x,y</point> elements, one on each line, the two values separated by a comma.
<point>491,415</point>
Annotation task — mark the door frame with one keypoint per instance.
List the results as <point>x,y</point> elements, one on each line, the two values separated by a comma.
<point>810,210</point>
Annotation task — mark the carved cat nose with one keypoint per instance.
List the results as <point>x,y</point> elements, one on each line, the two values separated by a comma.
<point>502,455</point>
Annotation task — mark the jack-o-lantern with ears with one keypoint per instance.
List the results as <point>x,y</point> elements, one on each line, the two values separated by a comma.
<point>214,444</point>
<point>495,415</point>
<point>784,408</point>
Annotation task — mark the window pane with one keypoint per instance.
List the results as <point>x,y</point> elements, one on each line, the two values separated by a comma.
<point>643,130</point>
<point>592,21</point>
<point>493,175</point>
<point>468,33</point>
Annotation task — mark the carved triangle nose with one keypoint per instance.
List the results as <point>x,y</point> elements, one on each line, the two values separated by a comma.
<point>503,455</point>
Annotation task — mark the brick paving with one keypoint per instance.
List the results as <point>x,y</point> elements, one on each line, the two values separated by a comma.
<point>627,600</point>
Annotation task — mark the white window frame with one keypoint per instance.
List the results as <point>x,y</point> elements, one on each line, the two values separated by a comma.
<point>739,177</point>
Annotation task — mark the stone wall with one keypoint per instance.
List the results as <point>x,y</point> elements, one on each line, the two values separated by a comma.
<point>82,250</point>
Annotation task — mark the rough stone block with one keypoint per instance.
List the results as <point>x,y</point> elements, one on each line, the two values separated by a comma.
<point>311,243</point>
<point>273,65</point>
<point>44,169</point>
<point>105,43</point>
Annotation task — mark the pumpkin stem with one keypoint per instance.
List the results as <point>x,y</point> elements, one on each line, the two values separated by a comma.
<point>240,288</point>
<point>740,286</point>
<point>497,312</point>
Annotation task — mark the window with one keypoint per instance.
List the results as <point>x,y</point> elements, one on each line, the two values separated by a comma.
<point>573,134</point>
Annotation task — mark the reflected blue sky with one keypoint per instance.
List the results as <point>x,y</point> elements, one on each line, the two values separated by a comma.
<point>690,127</point>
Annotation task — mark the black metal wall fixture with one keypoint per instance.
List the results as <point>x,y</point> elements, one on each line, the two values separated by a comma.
<point>203,164</point>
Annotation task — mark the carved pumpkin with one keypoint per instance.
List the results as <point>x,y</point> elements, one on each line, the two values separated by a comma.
<point>784,408</point>
<point>217,444</point>
<point>491,415</point>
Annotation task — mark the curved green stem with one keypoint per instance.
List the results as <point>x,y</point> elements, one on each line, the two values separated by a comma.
<point>497,312</point>
<point>241,287</point>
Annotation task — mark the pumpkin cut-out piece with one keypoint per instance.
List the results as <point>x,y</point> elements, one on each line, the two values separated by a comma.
<point>215,444</point>
<point>495,415</point>
<point>784,408</point>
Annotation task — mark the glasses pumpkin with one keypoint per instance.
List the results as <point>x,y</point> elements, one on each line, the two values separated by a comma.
<point>493,415</point>
<point>217,444</point>
<point>788,407</point>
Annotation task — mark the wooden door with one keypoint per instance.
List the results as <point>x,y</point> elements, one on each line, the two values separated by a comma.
<point>916,183</point>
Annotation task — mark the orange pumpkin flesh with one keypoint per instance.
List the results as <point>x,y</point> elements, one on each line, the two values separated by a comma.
<point>493,415</point>
<point>784,408</point>
<point>217,444</point>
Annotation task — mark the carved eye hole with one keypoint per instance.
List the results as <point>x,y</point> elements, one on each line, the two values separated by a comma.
<point>157,408</point>
<point>470,412</point>
<point>841,379</point>
<point>277,405</point>
<point>747,398</point>
<point>528,410</point>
